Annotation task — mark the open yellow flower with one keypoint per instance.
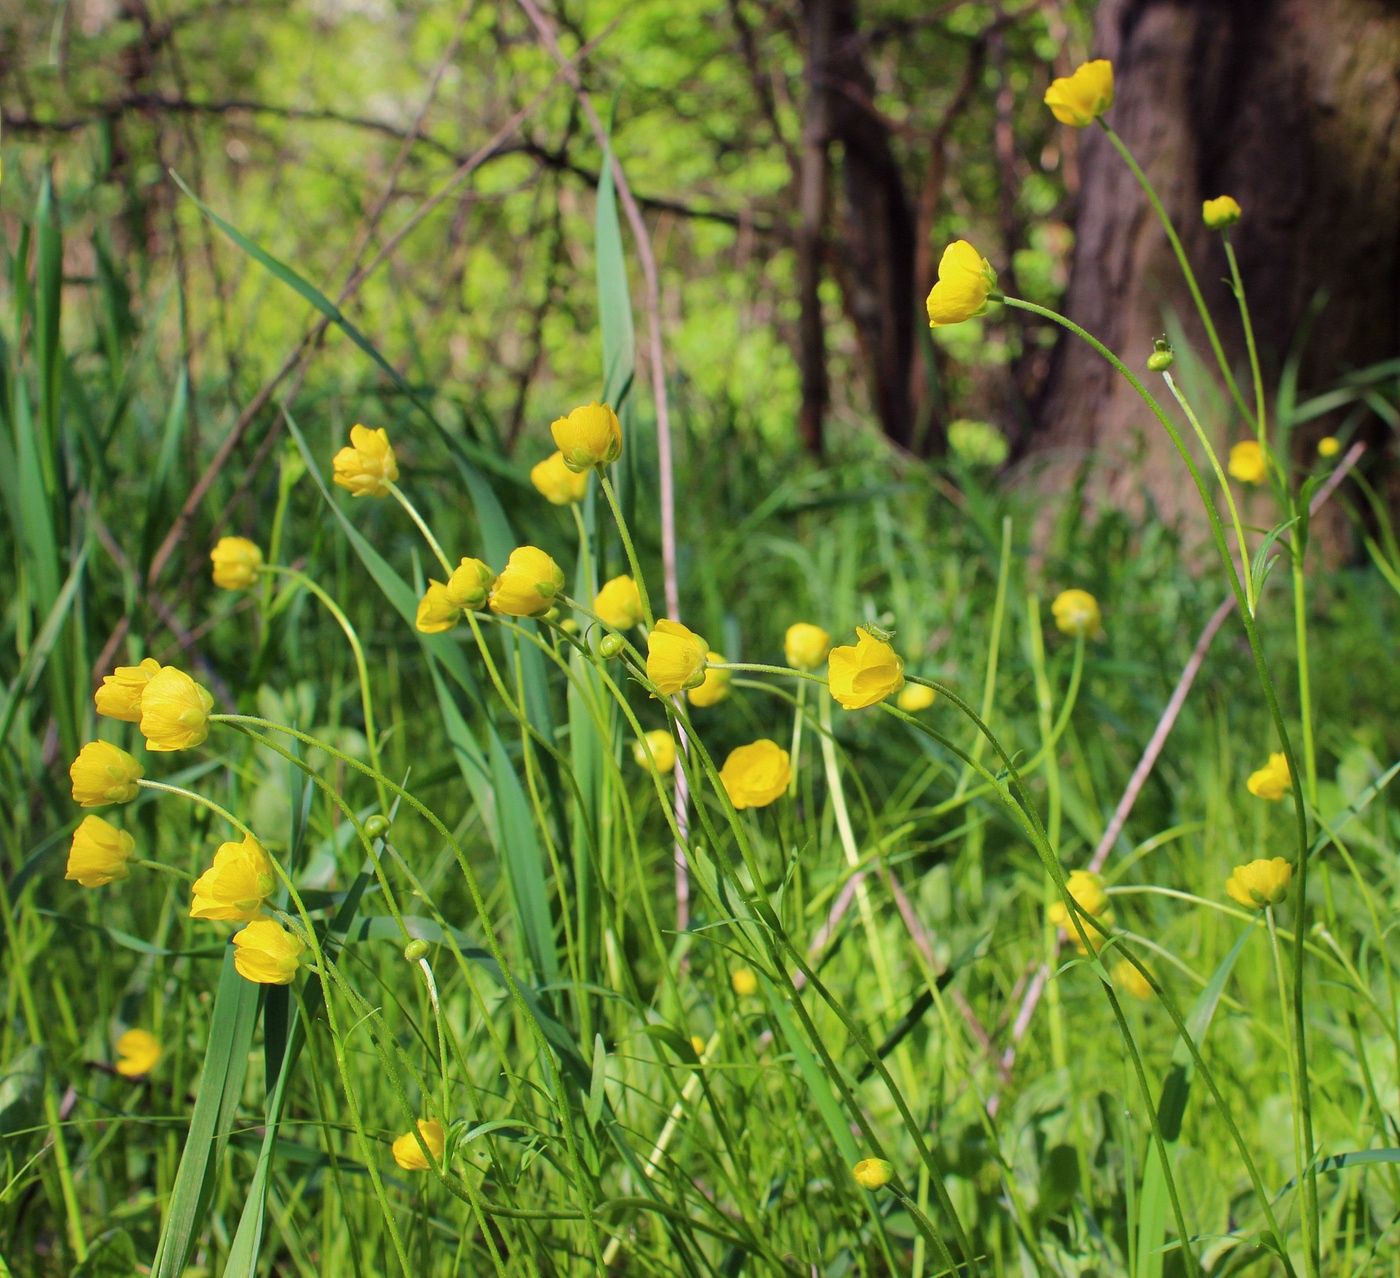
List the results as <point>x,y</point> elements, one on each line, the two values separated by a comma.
<point>744,982</point>
<point>873,1173</point>
<point>1076,612</point>
<point>860,676</point>
<point>1221,212</point>
<point>663,751</point>
<point>174,711</point>
<point>265,953</point>
<point>102,774</point>
<point>236,562</point>
<point>138,1051</point>
<point>367,466</point>
<point>1247,463</point>
<point>756,775</point>
<point>1080,99</point>
<point>99,853</point>
<point>589,436</point>
<point>559,485</point>
<point>119,697</point>
<point>1260,883</point>
<point>619,603</point>
<point>527,584</point>
<point>236,885</point>
<point>1272,781</point>
<point>436,611</point>
<point>915,697</point>
<point>408,1153</point>
<point>1086,887</point>
<point>675,657</point>
<point>715,685</point>
<point>965,281</point>
<point>805,646</point>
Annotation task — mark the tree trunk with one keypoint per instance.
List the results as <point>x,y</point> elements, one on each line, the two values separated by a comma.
<point>1293,108</point>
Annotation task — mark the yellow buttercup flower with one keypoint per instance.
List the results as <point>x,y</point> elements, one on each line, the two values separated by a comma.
<point>99,854</point>
<point>1260,883</point>
<point>265,953</point>
<point>663,751</point>
<point>744,983</point>
<point>589,436</point>
<point>174,711</point>
<point>119,697</point>
<point>619,603</point>
<point>1221,212</point>
<point>436,611</point>
<point>805,646</point>
<point>757,774</point>
<point>1076,612</point>
<point>527,584</point>
<point>236,562</point>
<point>1086,887</point>
<point>1273,780</point>
<point>715,686</point>
<point>866,673</point>
<point>675,657</point>
<point>367,466</point>
<point>965,281</point>
<point>138,1051</point>
<point>408,1153</point>
<point>915,697</point>
<point>873,1173</point>
<point>559,485</point>
<point>1128,979</point>
<point>1080,99</point>
<point>1247,463</point>
<point>470,584</point>
<point>102,774</point>
<point>1329,446</point>
<point>236,885</point>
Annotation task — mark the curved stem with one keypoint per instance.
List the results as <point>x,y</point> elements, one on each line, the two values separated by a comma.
<point>422,526</point>
<point>622,531</point>
<point>1261,423</point>
<point>195,797</point>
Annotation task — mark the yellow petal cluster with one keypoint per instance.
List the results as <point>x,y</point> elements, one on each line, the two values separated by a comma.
<point>559,485</point>
<point>1260,883</point>
<point>174,711</point>
<point>715,685</point>
<point>466,590</point>
<point>102,774</point>
<point>436,611</point>
<point>757,774</point>
<point>915,697</point>
<point>866,673</point>
<point>873,1173</point>
<point>965,281</point>
<point>675,657</point>
<point>805,646</point>
<point>1086,887</point>
<point>589,436</point>
<point>99,854</point>
<point>119,697</point>
<point>1247,463</point>
<point>619,603</point>
<point>662,747</point>
<point>408,1153</point>
<point>1221,212</point>
<point>1128,979</point>
<point>744,983</point>
<point>527,584</point>
<point>236,885</point>
<point>265,953</point>
<point>1080,99</point>
<point>367,466</point>
<point>138,1051</point>
<point>1273,780</point>
<point>236,562</point>
<point>1076,612</point>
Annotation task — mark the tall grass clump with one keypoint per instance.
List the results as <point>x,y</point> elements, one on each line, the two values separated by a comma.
<point>506,870</point>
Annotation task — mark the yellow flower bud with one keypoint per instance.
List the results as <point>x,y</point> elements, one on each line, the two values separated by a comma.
<point>408,1153</point>
<point>589,436</point>
<point>915,697</point>
<point>174,711</point>
<point>1329,446</point>
<point>1260,883</point>
<point>862,675</point>
<point>470,584</point>
<point>663,751</point>
<point>1272,781</point>
<point>744,983</point>
<point>119,697</point>
<point>266,953</point>
<point>1076,612</point>
<point>715,685</point>
<point>965,281</point>
<point>236,885</point>
<point>236,563</point>
<point>619,603</point>
<point>138,1051</point>
<point>805,646</point>
<point>527,585</point>
<point>675,657</point>
<point>1247,463</point>
<point>1080,99</point>
<point>755,775</point>
<point>559,485</point>
<point>436,611</point>
<point>1221,212</point>
<point>368,466</point>
<point>99,854</point>
<point>103,773</point>
<point>873,1173</point>
<point>1128,979</point>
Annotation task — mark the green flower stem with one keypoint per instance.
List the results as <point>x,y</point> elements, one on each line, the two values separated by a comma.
<point>285,483</point>
<point>422,525</point>
<point>1297,549</point>
<point>1261,415</point>
<point>993,648</point>
<point>160,867</point>
<point>622,531</point>
<point>200,799</point>
<point>796,751</point>
<point>1224,486</point>
<point>1302,1155</point>
<point>1185,265</point>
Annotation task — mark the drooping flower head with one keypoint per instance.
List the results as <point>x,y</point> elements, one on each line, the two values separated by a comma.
<point>236,885</point>
<point>1221,212</point>
<point>873,1173</point>
<point>99,854</point>
<point>102,774</point>
<point>756,775</point>
<point>589,436</point>
<point>915,697</point>
<point>265,953</point>
<point>138,1050</point>
<point>174,711</point>
<point>1080,99</point>
<point>367,466</point>
<point>559,485</point>
<point>965,281</point>
<point>675,657</point>
<point>714,687</point>
<point>805,646</point>
<point>527,584</point>
<point>1076,613</point>
<point>236,562</point>
<point>119,697</point>
<point>470,584</point>
<point>436,611</point>
<point>1273,780</point>
<point>408,1153</point>
<point>619,603</point>
<point>860,676</point>
<point>1247,463</point>
<point>1260,883</point>
<point>663,751</point>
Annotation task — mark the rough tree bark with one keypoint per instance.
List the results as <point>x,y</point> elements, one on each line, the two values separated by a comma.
<point>1292,107</point>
